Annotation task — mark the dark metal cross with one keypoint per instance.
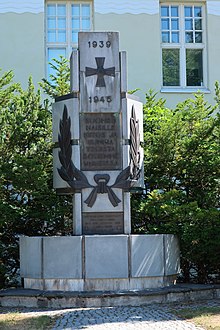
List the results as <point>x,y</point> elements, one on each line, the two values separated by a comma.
<point>100,71</point>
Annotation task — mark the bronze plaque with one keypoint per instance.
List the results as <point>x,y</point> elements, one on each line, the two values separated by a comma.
<point>104,223</point>
<point>100,147</point>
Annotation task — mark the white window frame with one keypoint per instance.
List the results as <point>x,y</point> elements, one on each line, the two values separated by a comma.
<point>182,46</point>
<point>68,45</point>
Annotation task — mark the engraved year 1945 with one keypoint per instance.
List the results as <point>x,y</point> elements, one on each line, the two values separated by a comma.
<point>99,44</point>
<point>102,99</point>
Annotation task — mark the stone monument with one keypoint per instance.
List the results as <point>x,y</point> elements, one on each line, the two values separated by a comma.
<point>98,159</point>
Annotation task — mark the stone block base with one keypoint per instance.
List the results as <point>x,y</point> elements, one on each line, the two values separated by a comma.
<point>99,262</point>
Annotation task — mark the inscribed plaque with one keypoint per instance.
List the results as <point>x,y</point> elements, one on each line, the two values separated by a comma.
<point>100,141</point>
<point>103,223</point>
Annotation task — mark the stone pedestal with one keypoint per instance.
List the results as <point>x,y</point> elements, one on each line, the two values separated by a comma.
<point>99,262</point>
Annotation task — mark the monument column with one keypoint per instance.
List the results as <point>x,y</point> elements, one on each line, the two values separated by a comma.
<point>98,159</point>
<point>98,134</point>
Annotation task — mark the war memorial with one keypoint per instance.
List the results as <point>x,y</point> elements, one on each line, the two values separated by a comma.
<point>98,159</point>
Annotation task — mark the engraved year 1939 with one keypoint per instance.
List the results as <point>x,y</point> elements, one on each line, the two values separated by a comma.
<point>99,44</point>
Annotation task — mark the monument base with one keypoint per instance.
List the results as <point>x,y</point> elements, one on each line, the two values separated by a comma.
<point>99,262</point>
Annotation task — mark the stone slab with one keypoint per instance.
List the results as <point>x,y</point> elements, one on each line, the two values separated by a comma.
<point>30,256</point>
<point>172,254</point>
<point>106,256</point>
<point>56,299</point>
<point>74,71</point>
<point>95,47</point>
<point>77,214</point>
<point>104,223</point>
<point>72,106</point>
<point>102,202</point>
<point>127,104</point>
<point>62,257</point>
<point>147,255</point>
<point>58,182</point>
<point>107,45</point>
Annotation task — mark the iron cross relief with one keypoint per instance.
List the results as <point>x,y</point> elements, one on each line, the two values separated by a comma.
<point>100,71</point>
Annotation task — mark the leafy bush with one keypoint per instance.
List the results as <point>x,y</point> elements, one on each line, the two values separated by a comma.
<point>182,167</point>
<point>28,204</point>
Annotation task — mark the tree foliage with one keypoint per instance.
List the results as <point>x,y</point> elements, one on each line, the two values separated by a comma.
<point>28,205</point>
<point>59,81</point>
<point>182,167</point>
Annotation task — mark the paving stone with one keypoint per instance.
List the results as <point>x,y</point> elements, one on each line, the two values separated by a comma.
<point>128,318</point>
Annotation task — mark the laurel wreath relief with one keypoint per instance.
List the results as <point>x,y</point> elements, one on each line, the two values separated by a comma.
<point>135,168</point>
<point>76,179</point>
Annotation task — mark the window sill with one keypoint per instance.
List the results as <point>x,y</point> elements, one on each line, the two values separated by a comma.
<point>201,90</point>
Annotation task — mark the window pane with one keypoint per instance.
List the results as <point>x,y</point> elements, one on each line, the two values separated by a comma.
<point>85,24</point>
<point>51,10</point>
<point>61,10</point>
<point>189,37</point>
<point>75,23</point>
<point>165,24</point>
<point>174,11</point>
<point>75,37</point>
<point>188,11</point>
<point>54,53</point>
<point>164,11</point>
<point>194,67</point>
<point>175,24</point>
<point>61,36</point>
<point>51,23</point>
<point>165,37</point>
<point>198,24</point>
<point>188,24</point>
<point>198,11</point>
<point>175,37</point>
<point>198,37</point>
<point>75,10</point>
<point>171,71</point>
<point>51,36</point>
<point>85,10</point>
<point>61,23</point>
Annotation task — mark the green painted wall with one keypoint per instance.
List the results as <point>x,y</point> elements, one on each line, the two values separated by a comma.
<point>22,45</point>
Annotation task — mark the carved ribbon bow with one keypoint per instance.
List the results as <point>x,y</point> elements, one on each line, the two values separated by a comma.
<point>102,188</point>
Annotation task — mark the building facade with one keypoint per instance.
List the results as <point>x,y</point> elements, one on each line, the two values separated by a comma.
<point>172,47</point>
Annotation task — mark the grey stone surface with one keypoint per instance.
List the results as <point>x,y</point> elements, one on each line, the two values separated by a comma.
<point>102,203</point>
<point>106,256</point>
<point>103,45</point>
<point>127,104</point>
<point>77,214</point>
<point>58,182</point>
<point>127,213</point>
<point>74,71</point>
<point>62,257</point>
<point>30,256</point>
<point>89,52</point>
<point>147,255</point>
<point>175,294</point>
<point>109,262</point>
<point>123,65</point>
<point>172,254</point>
<point>72,105</point>
<point>119,318</point>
